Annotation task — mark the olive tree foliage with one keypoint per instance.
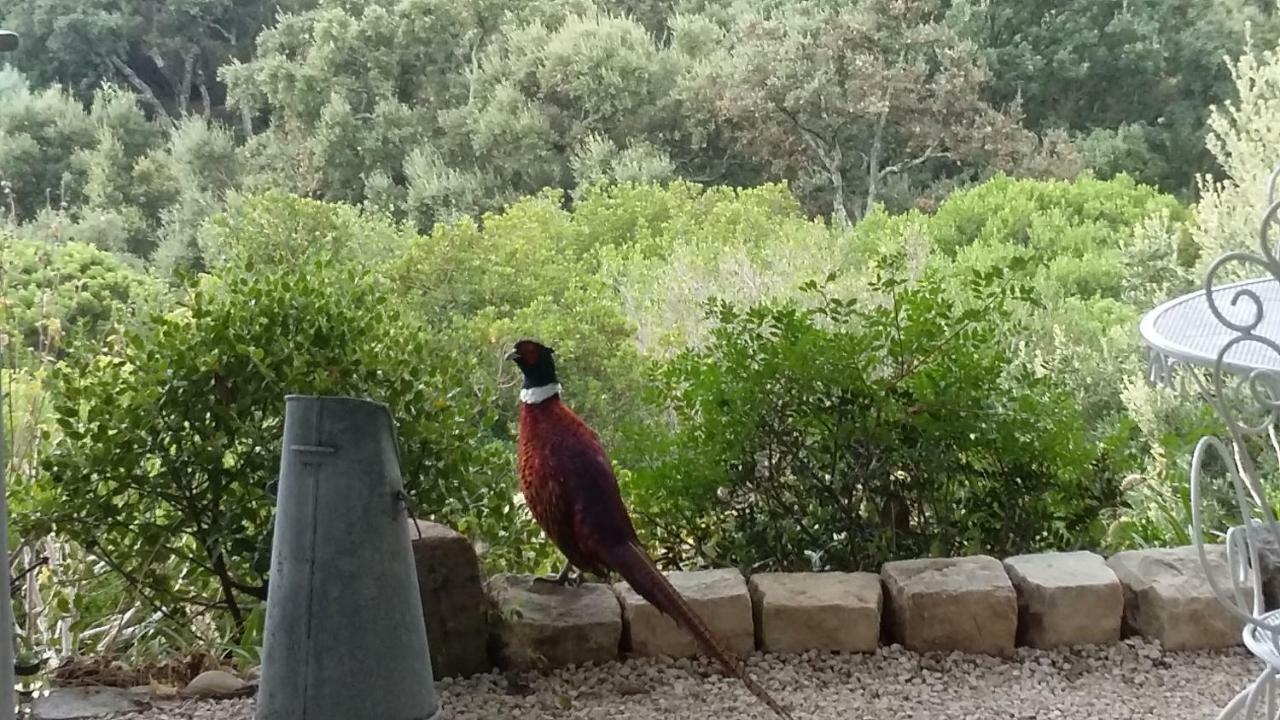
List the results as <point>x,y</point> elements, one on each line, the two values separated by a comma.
<point>97,171</point>
<point>433,109</point>
<point>108,175</point>
<point>854,98</point>
<point>543,92</point>
<point>1244,139</point>
<point>206,171</point>
<point>167,51</point>
<point>347,92</point>
<point>437,109</point>
<point>1133,78</point>
<point>40,134</point>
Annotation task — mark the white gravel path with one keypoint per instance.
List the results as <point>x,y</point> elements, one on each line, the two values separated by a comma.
<point>1133,679</point>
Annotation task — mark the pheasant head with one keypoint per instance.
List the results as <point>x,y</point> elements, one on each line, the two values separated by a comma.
<point>538,365</point>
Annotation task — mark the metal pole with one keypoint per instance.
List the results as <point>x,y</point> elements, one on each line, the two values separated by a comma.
<point>8,705</point>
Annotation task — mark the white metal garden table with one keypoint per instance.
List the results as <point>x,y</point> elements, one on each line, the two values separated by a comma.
<point>1184,332</point>
<point>1226,340</point>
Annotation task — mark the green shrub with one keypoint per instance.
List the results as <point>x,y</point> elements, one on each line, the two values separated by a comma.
<point>849,434</point>
<point>667,250</point>
<point>1133,149</point>
<point>1100,253</point>
<point>615,283</point>
<point>57,293</point>
<point>170,438</point>
<point>531,250</point>
<point>41,134</point>
<point>1155,507</point>
<point>1086,220</point>
<point>276,229</point>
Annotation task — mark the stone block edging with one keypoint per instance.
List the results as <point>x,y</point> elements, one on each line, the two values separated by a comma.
<point>976,604</point>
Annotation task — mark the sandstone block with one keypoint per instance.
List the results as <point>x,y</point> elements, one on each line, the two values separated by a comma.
<point>719,597</point>
<point>453,600</point>
<point>1167,597</point>
<point>1066,598</point>
<point>542,625</point>
<point>945,604</point>
<point>797,612</point>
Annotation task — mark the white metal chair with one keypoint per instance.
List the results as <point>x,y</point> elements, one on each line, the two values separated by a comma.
<point>1248,401</point>
<point>1261,632</point>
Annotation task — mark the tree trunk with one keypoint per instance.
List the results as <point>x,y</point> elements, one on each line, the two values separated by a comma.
<point>204,94</point>
<point>143,89</point>
<point>475,68</point>
<point>839,212</point>
<point>873,164</point>
<point>827,150</point>
<point>184,90</point>
<point>228,592</point>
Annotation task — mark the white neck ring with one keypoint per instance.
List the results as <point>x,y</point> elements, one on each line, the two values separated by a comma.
<point>535,395</point>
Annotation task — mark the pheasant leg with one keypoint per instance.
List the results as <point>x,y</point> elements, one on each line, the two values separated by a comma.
<point>567,577</point>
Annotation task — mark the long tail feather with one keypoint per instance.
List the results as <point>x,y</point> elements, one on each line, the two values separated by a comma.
<point>638,569</point>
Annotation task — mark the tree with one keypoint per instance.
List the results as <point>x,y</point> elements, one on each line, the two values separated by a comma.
<point>128,179</point>
<point>167,51</point>
<point>206,168</point>
<point>452,108</point>
<point>40,136</point>
<point>846,100</point>
<point>546,98</point>
<point>347,93</point>
<point>1145,68</point>
<point>98,174</point>
<point>1244,138</point>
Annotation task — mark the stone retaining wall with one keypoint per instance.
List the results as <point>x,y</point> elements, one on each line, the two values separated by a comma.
<point>976,604</point>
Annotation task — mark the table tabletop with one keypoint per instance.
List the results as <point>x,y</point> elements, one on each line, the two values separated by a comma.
<point>1185,330</point>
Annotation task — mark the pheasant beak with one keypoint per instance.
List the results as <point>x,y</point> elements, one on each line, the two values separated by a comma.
<point>511,356</point>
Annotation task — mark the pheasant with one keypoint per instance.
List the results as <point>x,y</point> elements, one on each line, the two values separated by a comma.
<point>569,486</point>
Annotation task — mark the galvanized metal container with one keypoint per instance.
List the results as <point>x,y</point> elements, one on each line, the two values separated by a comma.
<point>345,636</point>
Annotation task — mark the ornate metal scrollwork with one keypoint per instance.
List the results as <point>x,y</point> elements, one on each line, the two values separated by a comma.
<point>1248,402</point>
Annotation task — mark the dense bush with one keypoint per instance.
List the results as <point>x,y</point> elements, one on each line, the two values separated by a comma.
<point>1060,224</point>
<point>900,408</point>
<point>672,249</point>
<point>40,133</point>
<point>846,435</point>
<point>170,438</point>
<point>528,271</point>
<point>57,293</point>
<point>274,229</point>
<point>1100,253</point>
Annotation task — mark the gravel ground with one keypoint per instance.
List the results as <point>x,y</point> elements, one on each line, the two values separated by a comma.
<point>1133,679</point>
